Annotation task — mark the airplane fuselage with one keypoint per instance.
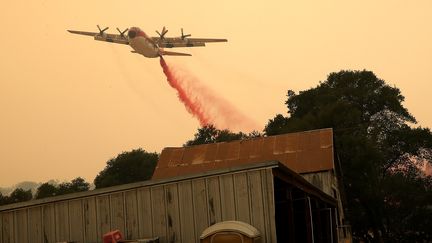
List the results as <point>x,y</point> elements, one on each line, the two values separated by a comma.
<point>142,44</point>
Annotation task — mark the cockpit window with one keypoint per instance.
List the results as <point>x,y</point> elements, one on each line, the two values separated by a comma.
<point>132,34</point>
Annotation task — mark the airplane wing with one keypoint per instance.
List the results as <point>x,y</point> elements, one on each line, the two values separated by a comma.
<point>171,53</point>
<point>114,38</point>
<point>170,42</point>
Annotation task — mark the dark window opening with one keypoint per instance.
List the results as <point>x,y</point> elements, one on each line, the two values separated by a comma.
<point>301,217</point>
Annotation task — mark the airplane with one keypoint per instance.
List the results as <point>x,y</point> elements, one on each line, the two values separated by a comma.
<point>151,47</point>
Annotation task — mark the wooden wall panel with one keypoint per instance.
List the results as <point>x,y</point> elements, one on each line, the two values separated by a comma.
<point>90,220</point>
<point>268,204</point>
<point>174,212</point>
<point>227,197</point>
<point>172,209</point>
<point>62,221</point>
<point>49,223</point>
<point>103,214</point>
<point>35,224</point>
<point>325,181</point>
<point>242,197</point>
<point>8,227</point>
<point>76,222</point>
<point>265,205</point>
<point>1,227</point>
<point>145,215</point>
<point>256,196</point>
<point>21,223</point>
<point>131,208</point>
<point>186,209</point>
<point>214,204</point>
<point>159,217</point>
<point>117,212</point>
<point>199,202</point>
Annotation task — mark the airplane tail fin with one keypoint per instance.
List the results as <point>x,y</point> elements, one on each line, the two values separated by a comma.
<point>171,53</point>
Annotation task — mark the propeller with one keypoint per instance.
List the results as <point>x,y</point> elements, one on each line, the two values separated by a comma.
<point>102,31</point>
<point>162,35</point>
<point>122,32</point>
<point>183,36</point>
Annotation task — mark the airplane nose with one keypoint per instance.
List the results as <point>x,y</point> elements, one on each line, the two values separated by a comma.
<point>132,34</point>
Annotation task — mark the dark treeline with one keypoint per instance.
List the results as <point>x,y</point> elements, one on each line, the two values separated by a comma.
<point>45,190</point>
<point>127,167</point>
<point>18,195</point>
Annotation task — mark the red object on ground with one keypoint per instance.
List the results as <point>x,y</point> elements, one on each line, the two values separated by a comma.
<point>112,237</point>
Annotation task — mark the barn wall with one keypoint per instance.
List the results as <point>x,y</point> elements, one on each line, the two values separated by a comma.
<point>328,183</point>
<point>174,211</point>
<point>324,180</point>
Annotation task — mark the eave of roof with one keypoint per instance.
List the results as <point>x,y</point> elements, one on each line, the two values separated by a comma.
<point>278,168</point>
<point>131,186</point>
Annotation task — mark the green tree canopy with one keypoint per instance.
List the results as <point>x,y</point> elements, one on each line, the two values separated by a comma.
<point>379,151</point>
<point>20,195</point>
<point>76,185</point>
<point>46,190</point>
<point>127,167</point>
<point>210,134</point>
<point>3,199</point>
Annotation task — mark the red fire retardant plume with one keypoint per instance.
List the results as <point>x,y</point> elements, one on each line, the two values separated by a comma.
<point>204,104</point>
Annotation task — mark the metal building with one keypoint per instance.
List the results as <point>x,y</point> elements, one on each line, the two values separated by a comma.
<point>256,181</point>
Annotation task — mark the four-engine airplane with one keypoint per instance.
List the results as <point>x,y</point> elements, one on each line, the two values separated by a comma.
<point>149,46</point>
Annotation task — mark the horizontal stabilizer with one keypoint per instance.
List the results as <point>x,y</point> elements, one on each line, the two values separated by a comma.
<point>170,53</point>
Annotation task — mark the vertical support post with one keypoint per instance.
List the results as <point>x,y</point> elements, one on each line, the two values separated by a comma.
<point>331,225</point>
<point>291,225</point>
<point>336,218</point>
<point>311,219</point>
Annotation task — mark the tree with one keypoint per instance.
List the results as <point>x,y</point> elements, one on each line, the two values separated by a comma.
<point>3,199</point>
<point>210,134</point>
<point>20,195</point>
<point>76,185</point>
<point>79,185</point>
<point>127,167</point>
<point>46,190</point>
<point>378,149</point>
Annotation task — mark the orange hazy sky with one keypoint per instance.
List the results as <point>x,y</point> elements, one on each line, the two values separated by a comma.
<point>69,103</point>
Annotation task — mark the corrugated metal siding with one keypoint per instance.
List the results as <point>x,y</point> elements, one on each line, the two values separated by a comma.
<point>176,212</point>
<point>302,152</point>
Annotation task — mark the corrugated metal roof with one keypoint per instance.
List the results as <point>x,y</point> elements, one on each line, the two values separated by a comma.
<point>302,152</point>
